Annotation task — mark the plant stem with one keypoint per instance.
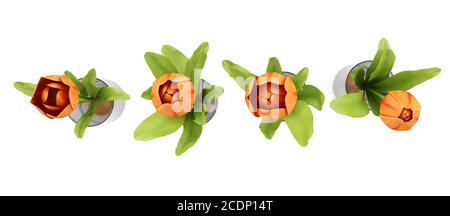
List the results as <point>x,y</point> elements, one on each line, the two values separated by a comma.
<point>83,99</point>
<point>379,95</point>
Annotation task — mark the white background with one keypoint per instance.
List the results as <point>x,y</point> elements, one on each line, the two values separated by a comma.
<point>346,156</point>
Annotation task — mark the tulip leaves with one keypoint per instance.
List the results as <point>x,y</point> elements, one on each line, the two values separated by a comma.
<point>191,133</point>
<point>300,78</point>
<point>26,88</point>
<point>351,105</point>
<point>87,92</point>
<point>111,94</point>
<point>85,120</point>
<point>147,94</point>
<point>382,64</point>
<point>208,95</point>
<point>157,125</point>
<point>177,58</point>
<point>242,76</point>
<point>197,61</point>
<point>312,96</point>
<point>90,92</point>
<point>376,82</point>
<point>274,65</point>
<point>300,123</point>
<point>269,128</point>
<point>174,61</point>
<point>159,64</point>
<point>406,80</point>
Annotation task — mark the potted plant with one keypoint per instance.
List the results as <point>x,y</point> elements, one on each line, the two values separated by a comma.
<point>88,101</point>
<point>180,96</point>
<point>370,85</point>
<point>278,96</point>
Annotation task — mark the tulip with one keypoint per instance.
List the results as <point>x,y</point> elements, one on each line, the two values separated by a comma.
<point>399,110</point>
<point>271,96</point>
<point>173,94</point>
<point>55,96</point>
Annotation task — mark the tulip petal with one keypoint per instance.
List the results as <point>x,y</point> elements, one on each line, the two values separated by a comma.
<point>156,100</point>
<point>271,77</point>
<point>264,91</point>
<point>263,103</point>
<point>166,109</point>
<point>187,92</point>
<point>291,95</point>
<point>181,108</point>
<point>176,97</point>
<point>56,78</point>
<point>56,85</point>
<point>65,112</point>
<point>74,97</point>
<point>413,103</point>
<point>394,123</point>
<point>44,94</point>
<point>62,98</point>
<point>272,115</point>
<point>166,98</point>
<point>177,77</point>
<point>401,97</point>
<point>163,88</point>
<point>277,89</point>
<point>389,106</point>
<point>251,88</point>
<point>51,108</point>
<point>162,79</point>
<point>66,80</point>
<point>251,105</point>
<point>251,98</point>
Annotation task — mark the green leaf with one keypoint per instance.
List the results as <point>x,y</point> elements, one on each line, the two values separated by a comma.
<point>177,58</point>
<point>82,99</point>
<point>200,117</point>
<point>89,83</point>
<point>383,62</point>
<point>352,105</point>
<point>147,94</point>
<point>26,88</point>
<point>274,65</point>
<point>300,78</point>
<point>358,75</point>
<point>208,95</point>
<point>242,76</point>
<point>111,94</point>
<point>157,125</point>
<point>197,61</point>
<point>374,102</point>
<point>312,96</point>
<point>268,129</point>
<point>77,82</point>
<point>159,64</point>
<point>211,93</point>
<point>85,120</point>
<point>406,80</point>
<point>191,133</point>
<point>300,123</point>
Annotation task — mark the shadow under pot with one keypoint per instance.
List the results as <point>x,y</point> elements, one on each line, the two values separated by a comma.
<point>106,112</point>
<point>211,107</point>
<point>344,83</point>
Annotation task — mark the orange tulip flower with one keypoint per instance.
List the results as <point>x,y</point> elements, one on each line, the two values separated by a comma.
<point>55,96</point>
<point>173,94</point>
<point>271,96</point>
<point>399,110</point>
